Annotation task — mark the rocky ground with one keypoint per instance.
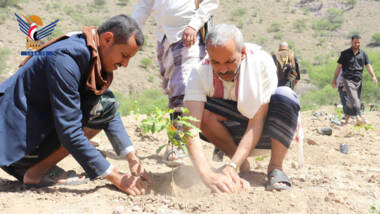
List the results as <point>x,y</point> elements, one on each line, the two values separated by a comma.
<point>329,182</point>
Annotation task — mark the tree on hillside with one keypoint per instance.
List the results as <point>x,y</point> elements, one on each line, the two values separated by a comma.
<point>376,39</point>
<point>11,3</point>
<point>351,3</point>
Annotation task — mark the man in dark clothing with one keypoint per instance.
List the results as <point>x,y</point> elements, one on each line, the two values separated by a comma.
<point>352,62</point>
<point>53,105</point>
<point>288,73</point>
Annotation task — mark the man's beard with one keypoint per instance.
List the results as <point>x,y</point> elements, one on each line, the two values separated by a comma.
<point>227,73</point>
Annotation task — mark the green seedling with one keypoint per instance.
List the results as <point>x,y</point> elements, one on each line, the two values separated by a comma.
<point>177,130</point>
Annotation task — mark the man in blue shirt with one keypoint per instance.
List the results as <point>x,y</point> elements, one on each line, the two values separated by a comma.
<point>53,105</point>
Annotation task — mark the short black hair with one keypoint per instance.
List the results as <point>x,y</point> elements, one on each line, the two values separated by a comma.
<point>355,36</point>
<point>122,27</point>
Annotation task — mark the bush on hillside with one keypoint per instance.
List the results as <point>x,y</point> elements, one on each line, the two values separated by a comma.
<point>143,102</point>
<point>354,32</point>
<point>100,2</point>
<point>240,24</point>
<point>3,15</point>
<point>11,3</point>
<point>352,3</point>
<point>333,21</point>
<point>240,11</point>
<point>323,96</point>
<point>278,35</point>
<point>274,27</point>
<point>300,25</point>
<point>146,63</point>
<point>376,38</point>
<point>80,18</point>
<point>123,2</point>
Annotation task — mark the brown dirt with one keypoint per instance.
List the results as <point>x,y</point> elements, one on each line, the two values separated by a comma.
<point>330,182</point>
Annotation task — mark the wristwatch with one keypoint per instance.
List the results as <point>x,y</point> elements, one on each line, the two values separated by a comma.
<point>233,165</point>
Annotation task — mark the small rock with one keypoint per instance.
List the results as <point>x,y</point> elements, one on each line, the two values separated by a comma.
<point>311,141</point>
<point>336,122</point>
<point>119,210</point>
<point>292,196</point>
<point>136,208</point>
<point>294,165</point>
<point>325,131</point>
<point>302,178</point>
<point>165,210</point>
<point>258,166</point>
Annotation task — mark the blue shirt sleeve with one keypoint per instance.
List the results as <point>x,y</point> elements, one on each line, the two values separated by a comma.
<point>63,80</point>
<point>118,136</point>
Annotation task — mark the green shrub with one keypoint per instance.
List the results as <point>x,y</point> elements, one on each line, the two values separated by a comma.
<point>12,3</point>
<point>306,65</point>
<point>262,40</point>
<point>324,96</point>
<point>3,15</point>
<point>99,2</point>
<point>333,21</point>
<point>335,17</point>
<point>354,32</point>
<point>239,12</point>
<point>68,10</point>
<point>123,2</point>
<point>143,103</point>
<point>322,41</point>
<point>145,63</point>
<point>57,32</point>
<point>78,17</point>
<point>352,3</point>
<point>376,38</point>
<point>306,11</point>
<point>274,27</point>
<point>278,36</point>
<point>150,78</point>
<point>300,25</point>
<point>4,55</point>
<point>240,24</point>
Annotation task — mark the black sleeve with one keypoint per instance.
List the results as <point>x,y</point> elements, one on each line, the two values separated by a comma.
<point>341,58</point>
<point>366,59</point>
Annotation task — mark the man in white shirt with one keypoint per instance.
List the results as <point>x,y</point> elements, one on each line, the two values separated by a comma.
<point>237,84</point>
<point>179,45</point>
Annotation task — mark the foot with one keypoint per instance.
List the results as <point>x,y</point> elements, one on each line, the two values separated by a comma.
<point>360,121</point>
<point>278,180</point>
<point>55,175</point>
<point>173,157</point>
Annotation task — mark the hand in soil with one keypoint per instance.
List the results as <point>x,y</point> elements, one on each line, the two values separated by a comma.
<point>240,183</point>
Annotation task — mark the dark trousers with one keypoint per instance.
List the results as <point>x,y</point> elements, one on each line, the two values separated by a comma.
<point>97,112</point>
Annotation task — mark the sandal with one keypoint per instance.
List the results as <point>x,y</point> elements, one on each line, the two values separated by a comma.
<point>173,157</point>
<point>277,180</point>
<point>52,176</point>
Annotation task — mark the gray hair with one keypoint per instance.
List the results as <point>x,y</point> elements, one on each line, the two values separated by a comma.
<point>283,44</point>
<point>122,27</point>
<point>220,34</point>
